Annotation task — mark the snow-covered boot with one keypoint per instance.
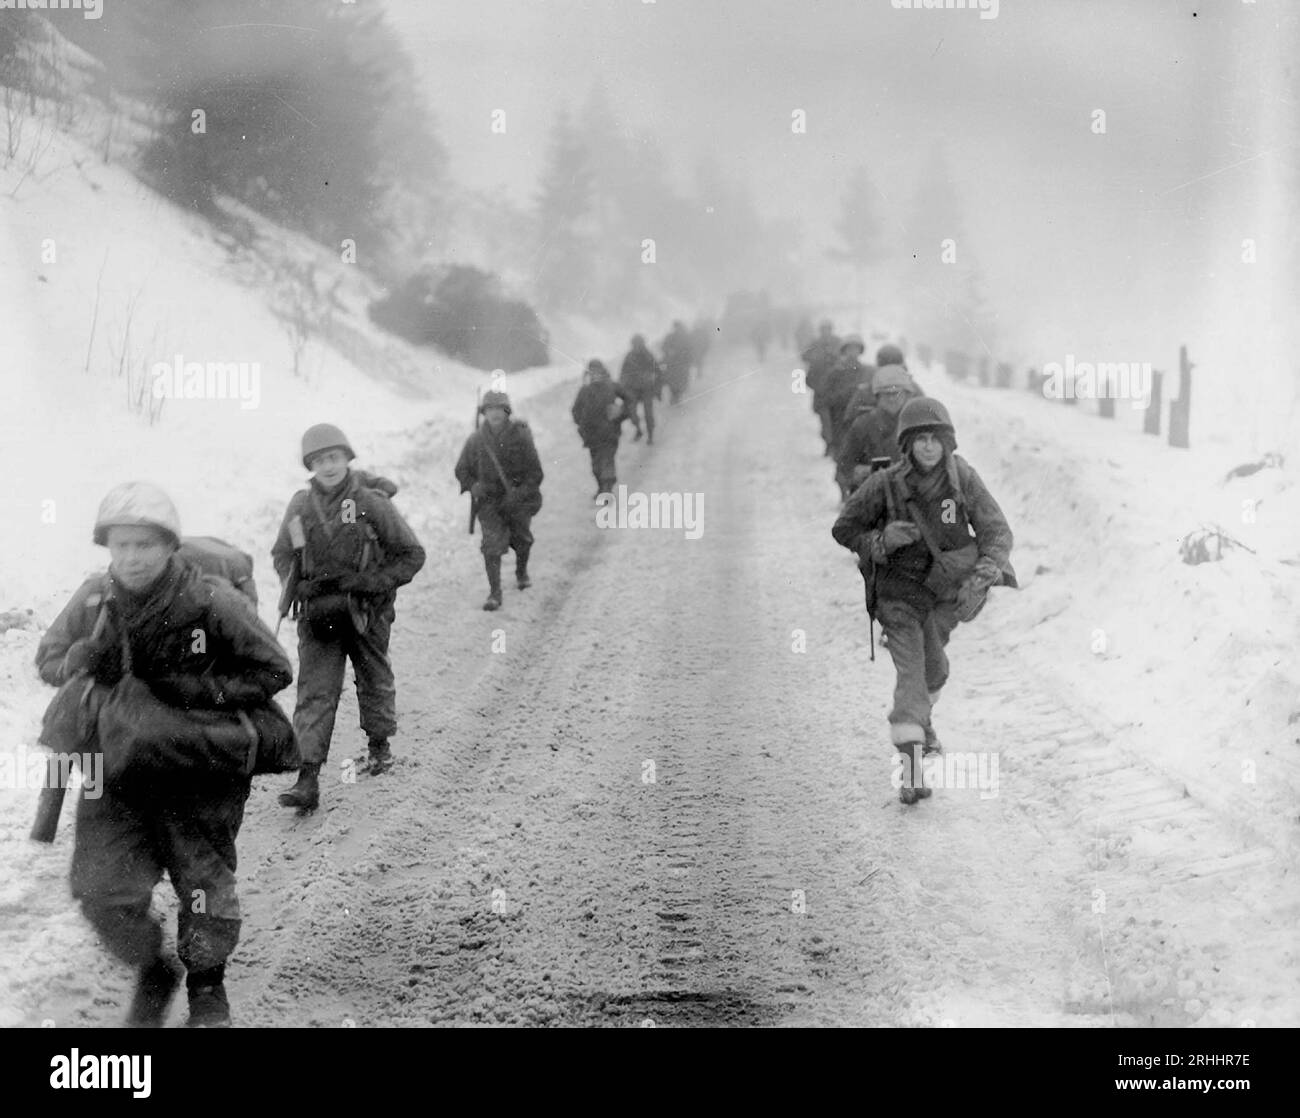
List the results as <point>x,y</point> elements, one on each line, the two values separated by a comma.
<point>209,1006</point>
<point>304,795</point>
<point>493,565</point>
<point>380,756</point>
<point>521,569</point>
<point>913,786</point>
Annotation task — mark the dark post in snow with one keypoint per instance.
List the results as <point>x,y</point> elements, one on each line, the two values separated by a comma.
<point>1180,411</point>
<point>1034,381</point>
<point>957,364</point>
<point>1003,377</point>
<point>1151,421</point>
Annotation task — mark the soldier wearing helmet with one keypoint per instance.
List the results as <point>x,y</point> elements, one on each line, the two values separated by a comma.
<point>818,360</point>
<point>349,550</point>
<point>599,411</point>
<point>642,377</point>
<point>676,348</point>
<point>500,469</point>
<point>140,618</point>
<point>930,541</point>
<point>846,377</point>
<point>871,435</point>
<point>865,397</point>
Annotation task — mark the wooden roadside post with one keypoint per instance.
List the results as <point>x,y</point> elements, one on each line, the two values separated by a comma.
<point>1180,411</point>
<point>1151,420</point>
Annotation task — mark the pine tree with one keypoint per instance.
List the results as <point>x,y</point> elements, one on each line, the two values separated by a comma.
<point>563,217</point>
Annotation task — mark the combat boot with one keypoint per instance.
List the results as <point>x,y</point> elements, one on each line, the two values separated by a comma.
<point>306,793</point>
<point>154,988</point>
<point>913,787</point>
<point>521,570</point>
<point>493,565</point>
<point>209,1007</point>
<point>380,756</point>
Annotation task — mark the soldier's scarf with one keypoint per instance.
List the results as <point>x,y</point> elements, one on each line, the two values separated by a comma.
<point>930,486</point>
<point>141,611</point>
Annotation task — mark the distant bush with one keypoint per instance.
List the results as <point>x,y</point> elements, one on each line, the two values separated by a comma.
<point>464,313</point>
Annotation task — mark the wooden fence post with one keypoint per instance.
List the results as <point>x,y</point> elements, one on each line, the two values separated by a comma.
<point>1151,421</point>
<point>1180,411</point>
<point>1003,376</point>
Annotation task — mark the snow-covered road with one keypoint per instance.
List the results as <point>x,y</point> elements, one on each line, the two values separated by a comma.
<point>656,788</point>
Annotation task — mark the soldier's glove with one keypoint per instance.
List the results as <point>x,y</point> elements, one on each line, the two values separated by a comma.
<point>872,550</point>
<point>366,582</point>
<point>309,588</point>
<point>476,491</point>
<point>974,590</point>
<point>102,661</point>
<point>899,533</point>
<point>78,658</point>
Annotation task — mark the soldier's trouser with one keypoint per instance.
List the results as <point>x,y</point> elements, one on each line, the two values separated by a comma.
<point>916,641</point>
<point>824,414</point>
<point>646,398</point>
<point>602,466</point>
<point>504,529</point>
<point>321,664</point>
<point>121,848</point>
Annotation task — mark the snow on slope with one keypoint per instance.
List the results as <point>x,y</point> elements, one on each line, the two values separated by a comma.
<point>69,435</point>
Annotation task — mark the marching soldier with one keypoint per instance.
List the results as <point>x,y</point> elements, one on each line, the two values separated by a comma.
<point>599,412</point>
<point>871,435</point>
<point>139,618</point>
<point>845,379</point>
<point>641,376</point>
<point>931,540</point>
<point>342,552</point>
<point>818,360</point>
<point>500,469</point>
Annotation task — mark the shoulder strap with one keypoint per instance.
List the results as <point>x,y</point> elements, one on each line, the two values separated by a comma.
<point>924,528</point>
<point>487,445</point>
<point>328,528</point>
<point>891,504</point>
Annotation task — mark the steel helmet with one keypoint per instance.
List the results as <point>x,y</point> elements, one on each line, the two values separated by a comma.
<point>137,504</point>
<point>853,339</point>
<point>495,399</point>
<point>324,436</point>
<point>890,355</point>
<point>596,367</point>
<point>924,414</point>
<point>891,376</point>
